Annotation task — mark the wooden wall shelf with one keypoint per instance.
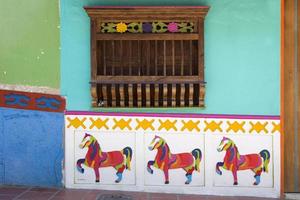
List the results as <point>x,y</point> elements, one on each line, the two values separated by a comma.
<point>147,56</point>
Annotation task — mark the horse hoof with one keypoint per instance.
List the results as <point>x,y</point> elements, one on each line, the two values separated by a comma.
<point>219,172</point>
<point>187,182</point>
<point>255,183</point>
<point>150,171</point>
<point>97,181</point>
<point>235,183</point>
<point>81,170</point>
<point>117,181</point>
<point>166,182</point>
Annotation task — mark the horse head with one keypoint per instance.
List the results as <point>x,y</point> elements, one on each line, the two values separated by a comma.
<point>156,143</point>
<point>225,144</point>
<point>87,140</point>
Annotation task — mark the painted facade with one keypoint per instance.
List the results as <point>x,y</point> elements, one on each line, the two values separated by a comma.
<point>204,151</point>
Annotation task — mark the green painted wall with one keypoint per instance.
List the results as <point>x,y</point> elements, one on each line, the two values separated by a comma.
<point>242,55</point>
<point>29,44</point>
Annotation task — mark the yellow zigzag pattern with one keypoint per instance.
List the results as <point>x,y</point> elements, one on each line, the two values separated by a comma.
<point>172,125</point>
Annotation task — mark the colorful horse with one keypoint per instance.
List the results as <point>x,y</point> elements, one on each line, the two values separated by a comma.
<point>96,158</point>
<point>233,161</point>
<point>165,160</point>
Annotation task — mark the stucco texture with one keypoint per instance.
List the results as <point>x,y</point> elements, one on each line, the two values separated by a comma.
<point>242,55</point>
<point>29,44</point>
<point>31,150</point>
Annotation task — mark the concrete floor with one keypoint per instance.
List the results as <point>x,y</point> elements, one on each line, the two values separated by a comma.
<point>35,193</point>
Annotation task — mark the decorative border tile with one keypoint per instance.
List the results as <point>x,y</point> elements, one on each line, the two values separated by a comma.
<point>32,101</point>
<point>174,125</point>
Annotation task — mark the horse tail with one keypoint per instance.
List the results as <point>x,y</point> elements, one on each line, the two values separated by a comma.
<point>78,165</point>
<point>127,151</point>
<point>265,154</point>
<point>198,156</point>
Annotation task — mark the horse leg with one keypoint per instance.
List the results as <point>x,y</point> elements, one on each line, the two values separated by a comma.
<point>218,165</point>
<point>257,175</point>
<point>150,163</point>
<point>97,174</point>
<point>234,173</point>
<point>79,167</point>
<point>166,172</point>
<point>189,172</point>
<point>119,173</point>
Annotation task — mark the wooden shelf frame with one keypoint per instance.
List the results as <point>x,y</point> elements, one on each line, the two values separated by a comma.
<point>175,63</point>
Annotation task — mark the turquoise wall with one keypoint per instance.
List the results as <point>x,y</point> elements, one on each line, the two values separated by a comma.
<point>242,55</point>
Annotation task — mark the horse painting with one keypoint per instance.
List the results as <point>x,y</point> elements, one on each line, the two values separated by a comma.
<point>165,160</point>
<point>95,158</point>
<point>233,161</point>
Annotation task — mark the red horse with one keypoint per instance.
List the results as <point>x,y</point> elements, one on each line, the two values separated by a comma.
<point>165,160</point>
<point>96,158</point>
<point>233,161</point>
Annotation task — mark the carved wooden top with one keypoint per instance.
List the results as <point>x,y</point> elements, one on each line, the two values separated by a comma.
<point>146,12</point>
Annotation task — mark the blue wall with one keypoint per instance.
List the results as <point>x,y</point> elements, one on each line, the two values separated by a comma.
<point>31,149</point>
<point>242,55</point>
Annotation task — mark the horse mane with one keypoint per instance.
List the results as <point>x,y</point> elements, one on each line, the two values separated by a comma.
<point>234,151</point>
<point>95,147</point>
<point>165,150</point>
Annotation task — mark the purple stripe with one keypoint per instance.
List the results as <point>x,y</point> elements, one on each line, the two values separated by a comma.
<point>177,115</point>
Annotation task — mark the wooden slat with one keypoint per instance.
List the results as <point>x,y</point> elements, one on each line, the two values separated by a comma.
<point>121,56</point>
<point>147,36</point>
<point>147,79</point>
<point>165,59</point>
<point>173,95</point>
<point>139,57</point>
<point>122,95</point>
<point>156,95</point>
<point>173,57</point>
<point>104,57</point>
<point>191,95</point>
<point>104,95</point>
<point>289,100</point>
<point>130,57</point>
<point>201,95</point>
<point>155,58</point>
<point>130,95</point>
<point>182,94</point>
<point>148,95</point>
<point>139,95</point>
<point>113,57</point>
<point>182,57</point>
<point>165,95</point>
<point>148,58</point>
<point>191,57</point>
<point>113,95</point>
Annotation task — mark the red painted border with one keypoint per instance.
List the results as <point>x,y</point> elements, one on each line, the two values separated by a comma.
<point>179,115</point>
<point>32,101</point>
